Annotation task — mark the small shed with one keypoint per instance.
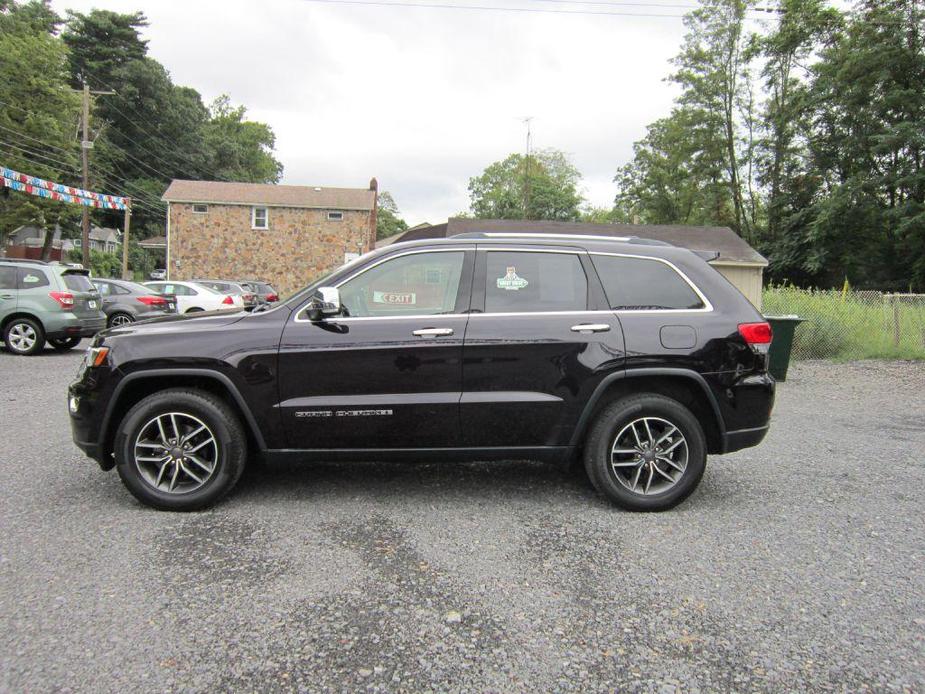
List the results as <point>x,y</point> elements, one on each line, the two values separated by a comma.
<point>737,261</point>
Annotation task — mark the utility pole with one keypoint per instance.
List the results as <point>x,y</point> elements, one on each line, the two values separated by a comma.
<point>527,170</point>
<point>86,144</point>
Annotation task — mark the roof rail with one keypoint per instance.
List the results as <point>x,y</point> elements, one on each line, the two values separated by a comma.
<point>537,235</point>
<point>565,237</point>
<point>23,260</point>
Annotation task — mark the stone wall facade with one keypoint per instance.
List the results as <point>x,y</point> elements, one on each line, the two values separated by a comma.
<point>299,245</point>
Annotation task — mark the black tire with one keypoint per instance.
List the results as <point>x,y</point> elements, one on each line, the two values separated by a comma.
<point>223,424</point>
<point>18,326</point>
<point>194,309</point>
<point>63,344</point>
<point>613,420</point>
<point>120,318</point>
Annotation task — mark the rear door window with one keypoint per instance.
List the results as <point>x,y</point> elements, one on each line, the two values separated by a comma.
<point>7,277</point>
<point>30,278</point>
<point>77,282</point>
<point>532,282</point>
<point>641,284</point>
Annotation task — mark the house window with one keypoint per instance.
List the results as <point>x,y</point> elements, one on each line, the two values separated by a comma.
<point>77,242</point>
<point>200,209</point>
<point>335,216</point>
<point>259,218</point>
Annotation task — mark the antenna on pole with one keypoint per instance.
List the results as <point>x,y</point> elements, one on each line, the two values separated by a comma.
<point>526,121</point>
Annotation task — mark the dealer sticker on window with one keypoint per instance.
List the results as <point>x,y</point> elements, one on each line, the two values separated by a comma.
<point>511,281</point>
<point>395,298</point>
<point>91,303</point>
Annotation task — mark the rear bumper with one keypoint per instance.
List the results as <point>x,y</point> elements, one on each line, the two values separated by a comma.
<point>744,438</point>
<point>75,327</point>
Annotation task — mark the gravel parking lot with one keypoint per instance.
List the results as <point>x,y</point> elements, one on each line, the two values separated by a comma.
<point>796,566</point>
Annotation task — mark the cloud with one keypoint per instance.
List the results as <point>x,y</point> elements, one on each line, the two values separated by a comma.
<point>423,99</point>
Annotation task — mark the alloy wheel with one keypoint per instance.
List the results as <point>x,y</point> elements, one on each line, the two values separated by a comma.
<point>22,337</point>
<point>119,320</point>
<point>649,455</point>
<point>176,453</point>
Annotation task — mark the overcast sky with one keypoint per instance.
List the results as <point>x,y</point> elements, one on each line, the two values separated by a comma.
<point>423,98</point>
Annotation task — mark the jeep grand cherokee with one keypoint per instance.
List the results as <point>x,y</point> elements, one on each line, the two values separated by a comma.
<point>635,355</point>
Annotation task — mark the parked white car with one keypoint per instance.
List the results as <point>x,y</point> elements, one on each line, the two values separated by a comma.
<point>196,297</point>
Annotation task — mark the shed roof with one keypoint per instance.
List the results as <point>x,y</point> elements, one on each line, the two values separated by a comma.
<point>270,194</point>
<point>731,247</point>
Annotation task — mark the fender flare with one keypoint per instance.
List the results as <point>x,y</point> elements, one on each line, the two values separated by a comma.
<point>228,384</point>
<point>584,419</point>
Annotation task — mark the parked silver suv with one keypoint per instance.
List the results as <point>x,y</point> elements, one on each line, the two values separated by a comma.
<point>50,302</point>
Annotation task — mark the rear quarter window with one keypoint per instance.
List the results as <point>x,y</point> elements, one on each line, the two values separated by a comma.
<point>30,278</point>
<point>77,282</point>
<point>642,284</point>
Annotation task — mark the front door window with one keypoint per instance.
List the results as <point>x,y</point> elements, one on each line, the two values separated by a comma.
<point>418,284</point>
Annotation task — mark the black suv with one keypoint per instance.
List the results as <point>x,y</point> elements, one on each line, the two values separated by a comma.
<point>634,354</point>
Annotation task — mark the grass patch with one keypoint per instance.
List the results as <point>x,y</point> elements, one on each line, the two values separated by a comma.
<point>851,325</point>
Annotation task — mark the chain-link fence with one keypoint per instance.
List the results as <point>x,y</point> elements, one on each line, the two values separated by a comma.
<point>851,324</point>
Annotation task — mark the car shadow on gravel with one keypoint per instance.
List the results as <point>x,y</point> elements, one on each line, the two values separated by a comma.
<point>412,479</point>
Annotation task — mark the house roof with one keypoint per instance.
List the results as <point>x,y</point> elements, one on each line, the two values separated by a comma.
<point>731,247</point>
<point>217,192</point>
<point>154,242</point>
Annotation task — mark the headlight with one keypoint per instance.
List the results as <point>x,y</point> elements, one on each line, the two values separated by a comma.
<point>73,403</point>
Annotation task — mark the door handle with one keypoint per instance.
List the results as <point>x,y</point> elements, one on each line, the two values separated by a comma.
<point>432,332</point>
<point>590,328</point>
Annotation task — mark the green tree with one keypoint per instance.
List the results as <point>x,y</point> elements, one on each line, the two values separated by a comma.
<point>541,186</point>
<point>867,144</point>
<point>388,222</point>
<point>37,114</point>
<point>101,43</point>
<point>713,71</point>
<point>676,175</point>
<point>239,149</point>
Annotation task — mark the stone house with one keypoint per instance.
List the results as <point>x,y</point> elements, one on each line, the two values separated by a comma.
<point>285,235</point>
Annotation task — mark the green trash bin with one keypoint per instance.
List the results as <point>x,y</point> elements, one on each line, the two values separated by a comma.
<point>783,328</point>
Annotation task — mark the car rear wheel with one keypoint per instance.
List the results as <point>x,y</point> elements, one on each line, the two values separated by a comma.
<point>180,450</point>
<point>24,336</point>
<point>646,453</point>
<point>119,319</point>
<point>62,344</point>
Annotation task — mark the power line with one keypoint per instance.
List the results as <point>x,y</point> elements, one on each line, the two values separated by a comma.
<point>495,8</point>
<point>34,139</point>
<point>139,117</point>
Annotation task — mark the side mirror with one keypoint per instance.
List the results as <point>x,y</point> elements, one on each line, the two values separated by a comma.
<point>325,302</point>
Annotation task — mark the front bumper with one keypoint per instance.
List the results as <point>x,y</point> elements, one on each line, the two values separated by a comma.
<point>86,399</point>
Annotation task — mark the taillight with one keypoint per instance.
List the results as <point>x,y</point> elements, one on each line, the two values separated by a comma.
<point>756,333</point>
<point>228,300</point>
<point>64,299</point>
<point>272,297</point>
<point>152,300</point>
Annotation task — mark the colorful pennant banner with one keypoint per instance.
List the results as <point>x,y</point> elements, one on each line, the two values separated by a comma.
<point>56,191</point>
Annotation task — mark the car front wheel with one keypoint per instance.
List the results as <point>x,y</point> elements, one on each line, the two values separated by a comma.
<point>646,453</point>
<point>180,450</point>
<point>24,336</point>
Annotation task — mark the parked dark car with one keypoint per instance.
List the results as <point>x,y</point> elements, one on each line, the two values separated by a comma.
<point>50,302</point>
<point>232,288</point>
<point>262,290</point>
<point>634,355</point>
<point>126,302</point>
